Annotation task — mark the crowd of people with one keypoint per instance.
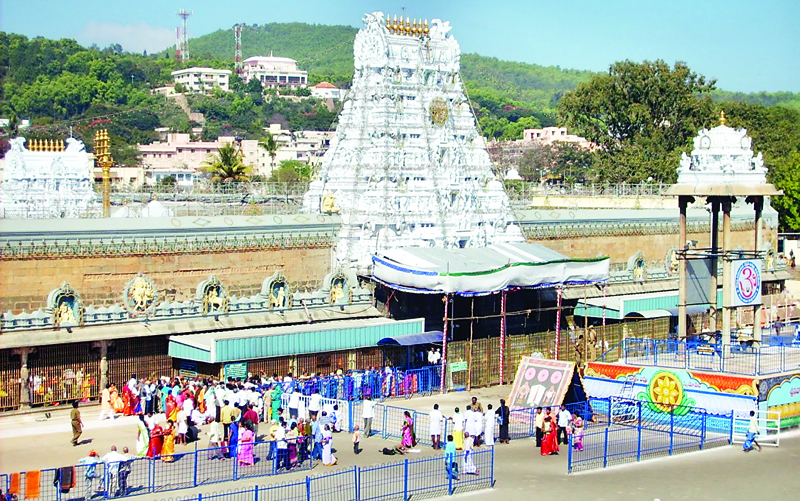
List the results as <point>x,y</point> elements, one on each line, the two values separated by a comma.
<point>296,427</point>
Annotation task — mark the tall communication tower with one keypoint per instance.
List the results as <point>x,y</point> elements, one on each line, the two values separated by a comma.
<point>177,45</point>
<point>237,55</point>
<point>184,14</point>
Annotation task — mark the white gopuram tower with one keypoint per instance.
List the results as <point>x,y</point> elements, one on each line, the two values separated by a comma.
<point>407,166</point>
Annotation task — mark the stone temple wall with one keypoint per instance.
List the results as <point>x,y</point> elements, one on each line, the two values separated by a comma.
<point>654,247</point>
<point>100,280</point>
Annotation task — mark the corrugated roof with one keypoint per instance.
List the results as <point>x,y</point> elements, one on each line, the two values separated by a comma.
<point>249,344</point>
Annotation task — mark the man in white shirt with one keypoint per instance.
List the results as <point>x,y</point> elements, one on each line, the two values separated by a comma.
<point>436,425</point>
<point>477,427</point>
<point>314,403</point>
<point>752,431</point>
<point>489,421</point>
<point>368,413</point>
<point>294,404</point>
<point>458,429</point>
<point>469,423</point>
<point>564,418</point>
<point>112,461</point>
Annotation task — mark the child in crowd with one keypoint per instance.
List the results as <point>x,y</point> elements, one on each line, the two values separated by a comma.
<point>356,440</point>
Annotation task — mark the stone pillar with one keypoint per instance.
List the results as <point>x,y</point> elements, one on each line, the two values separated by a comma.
<point>103,363</point>
<point>758,203</point>
<point>726,272</point>
<point>714,245</point>
<point>683,204</point>
<point>24,395</point>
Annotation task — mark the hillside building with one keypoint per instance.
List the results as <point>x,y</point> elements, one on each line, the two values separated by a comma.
<point>274,71</point>
<point>202,79</point>
<point>326,90</point>
<point>177,155</point>
<point>550,135</point>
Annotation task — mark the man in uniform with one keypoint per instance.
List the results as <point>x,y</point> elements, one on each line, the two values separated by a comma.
<point>77,424</point>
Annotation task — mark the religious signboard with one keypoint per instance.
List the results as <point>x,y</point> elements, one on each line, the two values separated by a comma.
<point>540,383</point>
<point>746,282</point>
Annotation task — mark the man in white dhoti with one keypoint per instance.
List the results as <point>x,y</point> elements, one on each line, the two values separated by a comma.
<point>488,430</point>
<point>477,426</point>
<point>436,426</point>
<point>469,423</point>
<point>468,466</point>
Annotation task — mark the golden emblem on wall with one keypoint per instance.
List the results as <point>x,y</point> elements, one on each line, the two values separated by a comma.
<point>214,297</point>
<point>139,296</point>
<point>439,111</point>
<point>66,306</point>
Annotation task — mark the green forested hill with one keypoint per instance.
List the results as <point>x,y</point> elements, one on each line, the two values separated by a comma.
<point>320,50</point>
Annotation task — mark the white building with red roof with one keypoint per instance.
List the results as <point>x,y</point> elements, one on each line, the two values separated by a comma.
<point>326,90</point>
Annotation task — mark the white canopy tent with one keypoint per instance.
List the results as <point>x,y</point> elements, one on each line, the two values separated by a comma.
<point>483,270</point>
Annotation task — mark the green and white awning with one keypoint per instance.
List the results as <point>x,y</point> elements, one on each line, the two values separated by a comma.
<point>483,270</point>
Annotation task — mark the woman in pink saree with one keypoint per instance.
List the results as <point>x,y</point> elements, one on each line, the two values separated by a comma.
<point>409,437</point>
<point>246,439</point>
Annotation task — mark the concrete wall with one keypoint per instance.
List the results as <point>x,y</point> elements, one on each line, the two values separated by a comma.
<point>101,280</point>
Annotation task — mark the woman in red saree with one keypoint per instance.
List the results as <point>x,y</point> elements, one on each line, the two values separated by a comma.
<point>550,440</point>
<point>127,400</point>
<point>156,442</point>
<point>172,408</point>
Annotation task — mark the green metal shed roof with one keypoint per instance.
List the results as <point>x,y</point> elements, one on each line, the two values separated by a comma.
<point>290,340</point>
<point>618,307</point>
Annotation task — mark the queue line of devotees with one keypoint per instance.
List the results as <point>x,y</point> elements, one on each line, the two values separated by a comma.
<point>170,412</point>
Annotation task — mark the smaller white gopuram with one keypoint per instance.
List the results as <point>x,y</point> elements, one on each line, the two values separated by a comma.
<point>50,180</point>
<point>722,155</point>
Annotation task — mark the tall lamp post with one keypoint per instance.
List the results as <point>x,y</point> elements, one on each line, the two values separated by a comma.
<point>104,160</point>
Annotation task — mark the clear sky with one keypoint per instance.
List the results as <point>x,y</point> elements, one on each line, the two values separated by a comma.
<point>747,46</point>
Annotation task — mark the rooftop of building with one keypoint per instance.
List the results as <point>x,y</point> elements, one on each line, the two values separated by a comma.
<point>269,59</point>
<point>325,85</point>
<point>197,69</point>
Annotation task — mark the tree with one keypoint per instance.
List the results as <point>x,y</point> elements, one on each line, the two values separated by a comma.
<point>641,113</point>
<point>292,171</point>
<point>166,184</point>
<point>775,131</point>
<point>271,146</point>
<point>226,165</point>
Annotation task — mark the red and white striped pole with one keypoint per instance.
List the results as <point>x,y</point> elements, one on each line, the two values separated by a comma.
<point>559,292</point>
<point>502,336</point>
<point>443,373</point>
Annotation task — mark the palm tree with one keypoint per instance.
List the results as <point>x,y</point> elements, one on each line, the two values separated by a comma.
<point>227,166</point>
<point>271,145</point>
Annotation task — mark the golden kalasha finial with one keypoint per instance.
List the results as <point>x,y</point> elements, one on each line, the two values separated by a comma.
<point>31,145</point>
<point>426,30</point>
<point>394,25</point>
<point>414,27</point>
<point>388,24</point>
<point>408,26</point>
<point>722,117</point>
<point>50,145</point>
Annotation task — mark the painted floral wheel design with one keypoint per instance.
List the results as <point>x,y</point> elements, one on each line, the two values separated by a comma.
<point>666,391</point>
